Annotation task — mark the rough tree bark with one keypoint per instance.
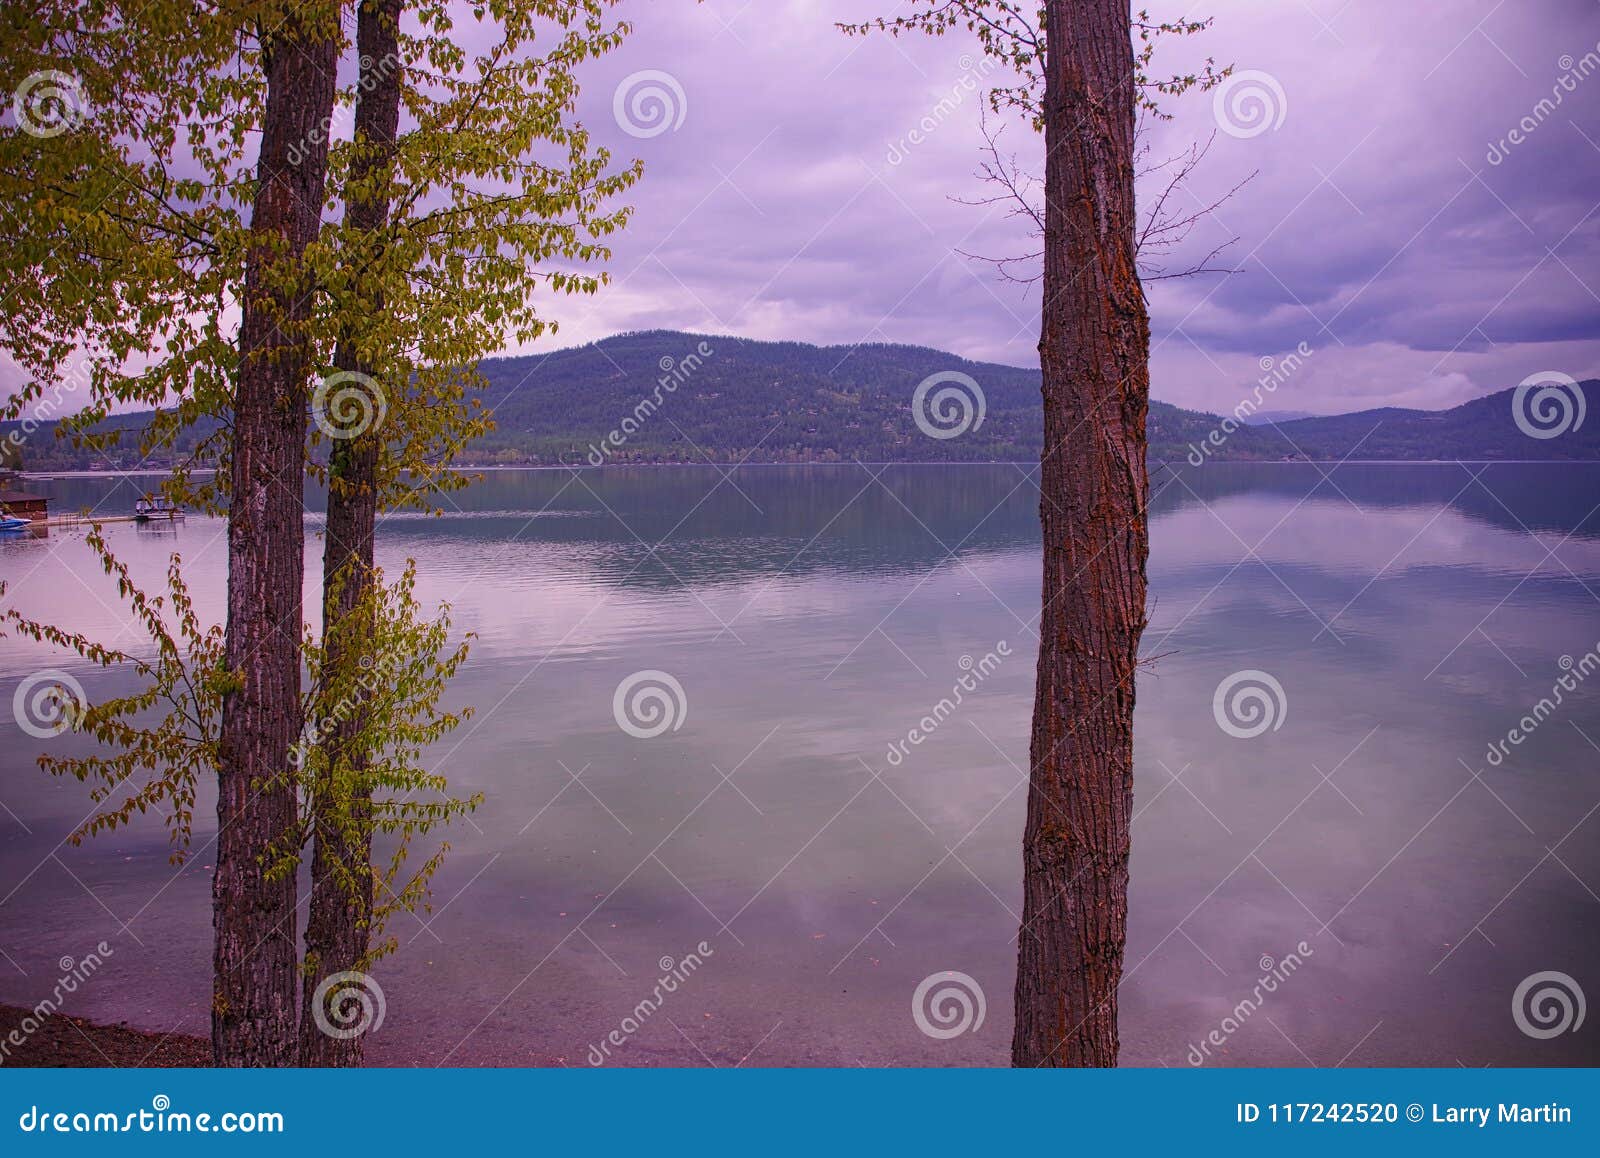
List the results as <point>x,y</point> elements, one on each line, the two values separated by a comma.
<point>1094,347</point>
<point>338,925</point>
<point>255,955</point>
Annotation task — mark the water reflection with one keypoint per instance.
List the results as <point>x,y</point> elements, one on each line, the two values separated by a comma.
<point>1412,615</point>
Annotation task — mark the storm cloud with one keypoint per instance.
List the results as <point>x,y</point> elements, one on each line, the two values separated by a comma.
<point>1422,212</point>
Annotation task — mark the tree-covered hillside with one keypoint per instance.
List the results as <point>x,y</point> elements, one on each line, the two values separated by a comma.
<point>664,396</point>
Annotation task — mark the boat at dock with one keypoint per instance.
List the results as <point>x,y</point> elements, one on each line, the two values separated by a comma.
<point>12,523</point>
<point>152,508</point>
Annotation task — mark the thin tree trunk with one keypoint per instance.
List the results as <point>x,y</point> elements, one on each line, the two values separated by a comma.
<point>1094,349</point>
<point>255,957</point>
<point>338,927</point>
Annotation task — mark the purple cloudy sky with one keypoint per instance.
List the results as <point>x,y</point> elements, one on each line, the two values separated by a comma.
<point>1377,230</point>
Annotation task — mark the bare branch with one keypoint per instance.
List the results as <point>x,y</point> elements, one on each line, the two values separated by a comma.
<point>1166,228</point>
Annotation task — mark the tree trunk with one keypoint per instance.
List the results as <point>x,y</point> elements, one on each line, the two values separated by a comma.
<point>338,926</point>
<point>255,955</point>
<point>1094,348</point>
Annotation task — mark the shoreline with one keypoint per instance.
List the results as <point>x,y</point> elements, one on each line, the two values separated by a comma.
<point>62,1041</point>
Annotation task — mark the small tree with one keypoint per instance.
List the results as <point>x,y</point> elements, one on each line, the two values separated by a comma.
<point>144,221</point>
<point>448,227</point>
<point>156,744</point>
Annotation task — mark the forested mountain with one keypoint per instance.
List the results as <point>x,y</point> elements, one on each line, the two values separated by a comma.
<point>1485,428</point>
<point>664,396</point>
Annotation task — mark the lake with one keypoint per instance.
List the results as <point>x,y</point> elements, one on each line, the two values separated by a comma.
<point>1352,845</point>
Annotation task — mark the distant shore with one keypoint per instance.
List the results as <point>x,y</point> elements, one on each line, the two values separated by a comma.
<point>45,476</point>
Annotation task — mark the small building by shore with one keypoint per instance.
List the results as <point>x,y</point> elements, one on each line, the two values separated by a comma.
<point>23,504</point>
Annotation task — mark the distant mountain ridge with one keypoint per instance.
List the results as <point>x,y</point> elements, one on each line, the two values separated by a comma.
<point>663,396</point>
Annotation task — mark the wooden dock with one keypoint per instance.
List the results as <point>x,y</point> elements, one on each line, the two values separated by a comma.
<point>85,520</point>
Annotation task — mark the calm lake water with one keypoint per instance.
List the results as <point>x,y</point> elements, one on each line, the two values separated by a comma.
<point>1411,614</point>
